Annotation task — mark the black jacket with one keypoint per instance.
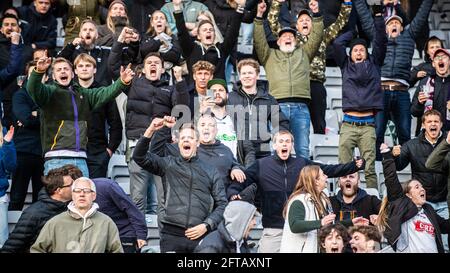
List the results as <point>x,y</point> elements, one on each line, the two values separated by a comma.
<point>363,205</point>
<point>243,108</point>
<point>139,12</point>
<point>147,100</point>
<point>103,76</point>
<point>193,52</point>
<point>276,180</point>
<point>27,138</point>
<point>98,139</point>
<point>195,192</point>
<point>401,208</point>
<point>425,66</point>
<point>416,151</point>
<point>31,222</point>
<point>148,44</point>
<point>440,98</point>
<point>39,29</point>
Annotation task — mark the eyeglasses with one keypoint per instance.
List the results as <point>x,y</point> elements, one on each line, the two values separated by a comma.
<point>441,57</point>
<point>65,186</point>
<point>84,190</point>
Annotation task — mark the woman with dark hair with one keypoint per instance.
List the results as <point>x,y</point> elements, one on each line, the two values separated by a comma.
<point>409,224</point>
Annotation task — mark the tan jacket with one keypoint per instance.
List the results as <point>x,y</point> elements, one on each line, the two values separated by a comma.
<point>69,232</point>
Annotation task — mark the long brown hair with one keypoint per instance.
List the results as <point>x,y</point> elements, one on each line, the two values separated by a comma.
<point>151,29</point>
<point>382,220</point>
<point>307,184</point>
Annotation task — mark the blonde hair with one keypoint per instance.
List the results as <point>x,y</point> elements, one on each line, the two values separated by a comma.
<point>151,29</point>
<point>307,184</point>
<point>85,58</point>
<point>251,62</point>
<point>203,65</point>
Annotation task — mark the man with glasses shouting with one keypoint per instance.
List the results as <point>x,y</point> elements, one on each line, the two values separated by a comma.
<point>81,229</point>
<point>52,200</point>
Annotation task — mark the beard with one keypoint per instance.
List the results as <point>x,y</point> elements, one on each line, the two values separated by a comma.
<point>287,49</point>
<point>222,103</point>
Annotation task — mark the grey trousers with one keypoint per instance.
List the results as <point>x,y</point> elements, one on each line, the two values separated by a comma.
<point>140,180</point>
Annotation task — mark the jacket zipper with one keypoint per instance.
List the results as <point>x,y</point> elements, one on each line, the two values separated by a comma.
<point>75,113</point>
<point>190,199</point>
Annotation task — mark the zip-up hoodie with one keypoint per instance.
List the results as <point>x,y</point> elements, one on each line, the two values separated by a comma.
<point>66,109</point>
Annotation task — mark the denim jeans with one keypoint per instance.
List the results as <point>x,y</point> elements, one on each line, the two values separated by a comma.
<point>3,222</point>
<point>299,121</point>
<point>247,33</point>
<point>79,162</point>
<point>441,209</point>
<point>397,106</point>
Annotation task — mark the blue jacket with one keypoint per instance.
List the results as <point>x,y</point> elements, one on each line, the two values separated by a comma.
<point>361,82</point>
<point>115,203</point>
<point>7,164</point>
<point>397,63</point>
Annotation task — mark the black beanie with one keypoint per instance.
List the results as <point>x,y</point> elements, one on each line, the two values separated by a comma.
<point>358,41</point>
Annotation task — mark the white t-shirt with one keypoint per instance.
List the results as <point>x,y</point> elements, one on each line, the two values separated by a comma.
<point>226,133</point>
<point>418,235</point>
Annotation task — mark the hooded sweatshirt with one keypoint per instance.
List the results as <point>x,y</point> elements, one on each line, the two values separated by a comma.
<point>363,205</point>
<point>229,237</point>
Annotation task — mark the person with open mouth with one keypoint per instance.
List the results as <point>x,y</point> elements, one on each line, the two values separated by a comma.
<point>333,238</point>
<point>433,91</point>
<point>407,221</point>
<point>362,96</point>
<point>195,196</point>
<point>396,68</point>
<point>86,43</point>
<point>304,27</point>
<point>365,239</point>
<point>204,46</point>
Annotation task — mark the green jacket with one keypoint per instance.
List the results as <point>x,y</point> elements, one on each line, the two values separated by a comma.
<point>68,232</point>
<point>439,160</point>
<point>288,73</point>
<point>191,9</point>
<point>65,113</point>
<point>318,64</point>
<point>77,11</point>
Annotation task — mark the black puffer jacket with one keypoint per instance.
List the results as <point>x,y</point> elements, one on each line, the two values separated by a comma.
<point>239,103</point>
<point>147,100</point>
<point>195,192</point>
<point>416,151</point>
<point>31,222</point>
<point>401,208</point>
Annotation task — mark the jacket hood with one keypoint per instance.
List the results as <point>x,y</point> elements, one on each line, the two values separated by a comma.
<point>237,217</point>
<point>359,195</point>
<point>75,213</point>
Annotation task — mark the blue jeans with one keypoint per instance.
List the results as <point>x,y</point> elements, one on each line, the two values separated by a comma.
<point>3,222</point>
<point>397,106</point>
<point>247,33</point>
<point>299,121</point>
<point>441,209</point>
<point>81,164</point>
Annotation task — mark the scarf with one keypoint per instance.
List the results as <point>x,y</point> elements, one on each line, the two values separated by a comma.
<point>428,89</point>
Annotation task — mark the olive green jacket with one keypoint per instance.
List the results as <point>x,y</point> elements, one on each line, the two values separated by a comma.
<point>318,63</point>
<point>288,73</point>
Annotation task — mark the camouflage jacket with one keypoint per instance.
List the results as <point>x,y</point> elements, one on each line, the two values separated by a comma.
<point>318,63</point>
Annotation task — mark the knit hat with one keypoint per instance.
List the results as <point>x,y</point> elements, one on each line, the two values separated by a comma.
<point>218,81</point>
<point>357,41</point>
<point>118,2</point>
